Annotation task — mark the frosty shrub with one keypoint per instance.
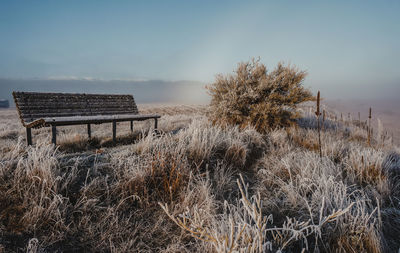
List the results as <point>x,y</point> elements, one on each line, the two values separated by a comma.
<point>254,96</point>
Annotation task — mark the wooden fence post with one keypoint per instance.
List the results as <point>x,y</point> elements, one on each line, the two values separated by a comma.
<point>318,113</point>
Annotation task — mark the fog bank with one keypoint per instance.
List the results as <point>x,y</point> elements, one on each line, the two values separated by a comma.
<point>151,91</point>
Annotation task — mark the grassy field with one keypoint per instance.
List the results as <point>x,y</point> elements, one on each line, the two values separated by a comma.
<point>198,187</point>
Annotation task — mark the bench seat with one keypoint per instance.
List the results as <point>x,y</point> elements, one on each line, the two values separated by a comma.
<point>78,120</point>
<point>38,110</point>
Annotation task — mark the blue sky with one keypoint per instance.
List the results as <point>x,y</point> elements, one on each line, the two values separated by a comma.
<point>346,46</point>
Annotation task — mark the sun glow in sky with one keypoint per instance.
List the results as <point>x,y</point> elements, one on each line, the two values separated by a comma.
<point>346,46</point>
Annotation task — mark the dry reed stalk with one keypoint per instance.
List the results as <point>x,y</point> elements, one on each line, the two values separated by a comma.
<point>384,137</point>
<point>348,119</point>
<point>317,113</point>
<point>359,119</point>
<point>369,126</point>
<point>392,138</point>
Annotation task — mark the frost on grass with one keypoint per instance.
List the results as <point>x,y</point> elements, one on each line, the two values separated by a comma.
<point>199,187</point>
<point>242,227</point>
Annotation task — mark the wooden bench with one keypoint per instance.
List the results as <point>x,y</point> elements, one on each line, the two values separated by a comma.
<point>38,110</point>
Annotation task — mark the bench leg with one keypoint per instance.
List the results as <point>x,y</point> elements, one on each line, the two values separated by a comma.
<point>131,125</point>
<point>89,132</point>
<point>155,123</point>
<point>54,134</point>
<point>29,136</point>
<point>114,130</point>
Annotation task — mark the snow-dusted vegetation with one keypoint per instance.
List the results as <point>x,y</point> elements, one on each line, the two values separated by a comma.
<point>199,187</point>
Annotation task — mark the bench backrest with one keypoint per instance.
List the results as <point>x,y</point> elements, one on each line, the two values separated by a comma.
<point>34,105</point>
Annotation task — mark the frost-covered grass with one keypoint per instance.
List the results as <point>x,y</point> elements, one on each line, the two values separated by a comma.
<point>199,188</point>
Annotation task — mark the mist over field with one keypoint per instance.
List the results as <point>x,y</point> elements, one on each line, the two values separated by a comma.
<point>149,91</point>
<point>386,110</point>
